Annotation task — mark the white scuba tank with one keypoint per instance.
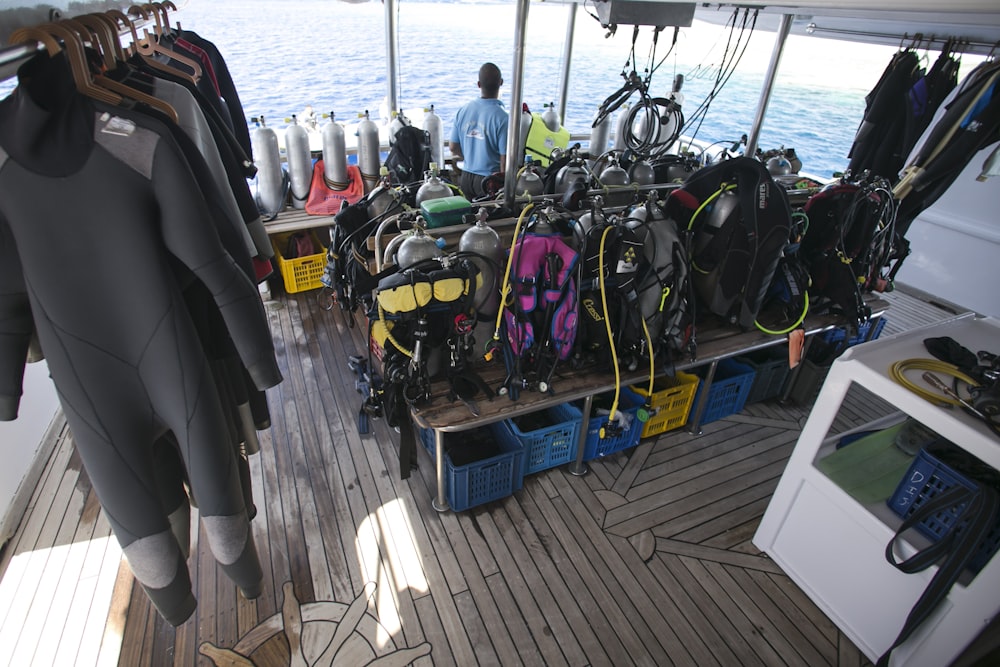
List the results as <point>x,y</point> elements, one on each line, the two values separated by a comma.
<point>369,159</point>
<point>434,128</point>
<point>299,162</point>
<point>551,117</point>
<point>267,160</point>
<point>399,121</point>
<point>620,129</point>
<point>484,240</point>
<point>599,136</point>
<point>522,137</point>
<point>334,155</point>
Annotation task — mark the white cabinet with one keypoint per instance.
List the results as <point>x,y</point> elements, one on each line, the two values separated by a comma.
<point>833,547</point>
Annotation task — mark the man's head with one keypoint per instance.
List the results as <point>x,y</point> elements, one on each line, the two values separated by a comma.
<point>490,80</point>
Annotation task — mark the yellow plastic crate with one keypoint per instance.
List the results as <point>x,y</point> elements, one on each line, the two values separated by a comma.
<point>670,404</point>
<point>300,273</point>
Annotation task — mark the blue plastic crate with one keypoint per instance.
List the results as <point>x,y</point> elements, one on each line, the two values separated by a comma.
<point>840,333</point>
<point>928,477</point>
<point>730,388</point>
<point>629,404</point>
<point>548,446</point>
<point>485,480</point>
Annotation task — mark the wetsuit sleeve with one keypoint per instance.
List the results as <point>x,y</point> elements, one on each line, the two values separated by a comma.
<point>15,325</point>
<point>190,236</point>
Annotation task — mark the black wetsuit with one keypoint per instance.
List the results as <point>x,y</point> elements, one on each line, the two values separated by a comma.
<point>96,212</point>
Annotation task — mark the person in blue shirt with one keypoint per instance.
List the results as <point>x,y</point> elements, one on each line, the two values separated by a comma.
<point>479,134</point>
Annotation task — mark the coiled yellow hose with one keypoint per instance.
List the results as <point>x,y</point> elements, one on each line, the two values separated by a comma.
<point>897,372</point>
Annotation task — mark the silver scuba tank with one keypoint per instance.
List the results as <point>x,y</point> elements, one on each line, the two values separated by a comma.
<point>779,166</point>
<point>484,240</point>
<point>434,128</point>
<point>334,155</point>
<point>551,117</point>
<point>369,160</point>
<point>380,201</point>
<point>594,216</point>
<point>614,174</point>
<point>433,187</point>
<point>528,179</point>
<point>299,162</point>
<point>599,135</point>
<point>620,127</point>
<point>641,173</point>
<point>574,170</point>
<point>267,159</point>
<point>417,247</point>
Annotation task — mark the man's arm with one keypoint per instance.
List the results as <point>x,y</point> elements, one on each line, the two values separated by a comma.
<point>503,163</point>
<point>456,149</point>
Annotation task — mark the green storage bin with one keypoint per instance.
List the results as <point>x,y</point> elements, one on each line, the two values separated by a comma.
<point>445,211</point>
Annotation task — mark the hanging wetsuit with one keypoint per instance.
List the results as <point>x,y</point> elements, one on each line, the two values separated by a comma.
<point>878,144</point>
<point>94,212</point>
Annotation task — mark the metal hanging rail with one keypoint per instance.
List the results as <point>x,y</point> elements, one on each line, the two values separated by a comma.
<point>919,39</point>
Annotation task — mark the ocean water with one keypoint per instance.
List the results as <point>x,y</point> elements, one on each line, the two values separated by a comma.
<point>286,54</point>
<point>329,54</point>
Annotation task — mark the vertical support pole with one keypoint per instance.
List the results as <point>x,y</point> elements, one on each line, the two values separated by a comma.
<point>516,93</point>
<point>567,59</point>
<point>391,57</point>
<point>441,502</point>
<point>772,72</point>
<point>578,467</point>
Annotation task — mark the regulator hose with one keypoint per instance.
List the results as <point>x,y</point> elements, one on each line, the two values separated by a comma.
<point>607,325</point>
<point>897,372</point>
<point>505,285</point>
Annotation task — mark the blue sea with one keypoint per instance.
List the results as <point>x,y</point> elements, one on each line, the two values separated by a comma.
<point>286,54</point>
<point>330,55</point>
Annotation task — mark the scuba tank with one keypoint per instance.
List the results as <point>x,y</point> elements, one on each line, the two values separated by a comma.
<point>779,166</point>
<point>384,198</point>
<point>551,117</point>
<point>369,160</point>
<point>418,246</point>
<point>599,136</point>
<point>620,128</point>
<point>613,174</point>
<point>482,239</point>
<point>270,177</point>
<point>399,121</point>
<point>529,180</point>
<point>299,162</point>
<point>574,170</point>
<point>433,187</point>
<point>522,137</point>
<point>433,127</point>
<point>594,217</point>
<point>334,155</point>
<point>641,173</point>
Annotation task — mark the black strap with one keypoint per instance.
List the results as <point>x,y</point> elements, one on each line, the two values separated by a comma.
<point>979,507</point>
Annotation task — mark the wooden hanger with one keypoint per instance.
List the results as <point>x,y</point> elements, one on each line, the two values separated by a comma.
<point>147,46</point>
<point>119,16</point>
<point>49,34</point>
<point>97,36</point>
<point>107,34</point>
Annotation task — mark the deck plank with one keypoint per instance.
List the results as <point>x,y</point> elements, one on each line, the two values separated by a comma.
<point>648,559</point>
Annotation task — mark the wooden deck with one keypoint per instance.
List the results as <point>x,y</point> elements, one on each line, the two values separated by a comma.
<point>646,560</point>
